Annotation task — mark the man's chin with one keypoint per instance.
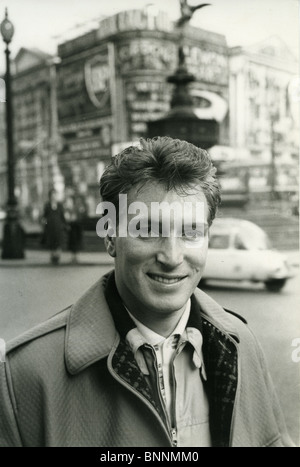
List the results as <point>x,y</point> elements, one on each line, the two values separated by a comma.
<point>167,306</point>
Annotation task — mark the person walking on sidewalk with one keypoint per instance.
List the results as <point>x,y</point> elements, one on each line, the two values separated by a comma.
<point>75,211</point>
<point>55,226</point>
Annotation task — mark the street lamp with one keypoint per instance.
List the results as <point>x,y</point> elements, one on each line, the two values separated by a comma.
<point>13,236</point>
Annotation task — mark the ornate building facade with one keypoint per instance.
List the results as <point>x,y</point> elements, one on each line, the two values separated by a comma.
<point>113,80</point>
<point>75,111</point>
<point>35,129</point>
<point>264,127</point>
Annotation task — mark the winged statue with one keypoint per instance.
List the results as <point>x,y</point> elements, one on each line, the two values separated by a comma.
<point>187,11</point>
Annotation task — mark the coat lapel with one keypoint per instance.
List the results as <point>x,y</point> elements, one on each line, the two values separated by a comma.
<point>220,360</point>
<point>90,329</point>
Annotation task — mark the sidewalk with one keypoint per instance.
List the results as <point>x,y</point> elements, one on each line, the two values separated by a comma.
<point>41,258</point>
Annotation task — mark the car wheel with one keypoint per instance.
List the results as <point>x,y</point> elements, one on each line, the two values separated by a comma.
<point>275,285</point>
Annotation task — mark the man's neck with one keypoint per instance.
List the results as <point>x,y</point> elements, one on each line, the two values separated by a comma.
<point>163,325</point>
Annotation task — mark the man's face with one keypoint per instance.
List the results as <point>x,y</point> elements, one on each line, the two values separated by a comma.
<point>157,275</point>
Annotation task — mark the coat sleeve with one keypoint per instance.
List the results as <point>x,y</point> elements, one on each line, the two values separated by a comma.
<point>9,432</point>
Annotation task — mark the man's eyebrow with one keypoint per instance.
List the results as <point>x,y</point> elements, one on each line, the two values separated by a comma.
<point>143,219</point>
<point>161,222</point>
<point>154,223</point>
<point>194,225</point>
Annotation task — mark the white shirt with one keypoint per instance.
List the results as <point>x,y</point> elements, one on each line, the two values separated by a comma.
<point>180,384</point>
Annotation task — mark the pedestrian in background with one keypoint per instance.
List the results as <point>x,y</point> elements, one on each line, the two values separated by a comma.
<point>75,211</point>
<point>54,227</point>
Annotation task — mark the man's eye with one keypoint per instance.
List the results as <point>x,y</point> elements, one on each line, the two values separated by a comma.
<point>148,231</point>
<point>144,232</point>
<point>193,234</point>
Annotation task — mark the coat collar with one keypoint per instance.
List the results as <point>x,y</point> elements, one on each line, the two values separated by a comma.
<point>91,331</point>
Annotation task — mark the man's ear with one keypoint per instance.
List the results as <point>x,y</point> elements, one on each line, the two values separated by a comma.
<point>110,245</point>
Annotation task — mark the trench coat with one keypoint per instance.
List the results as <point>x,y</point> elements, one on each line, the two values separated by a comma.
<point>62,383</point>
<point>54,227</point>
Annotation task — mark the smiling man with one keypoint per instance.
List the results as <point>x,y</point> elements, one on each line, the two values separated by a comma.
<point>164,268</point>
<point>145,358</point>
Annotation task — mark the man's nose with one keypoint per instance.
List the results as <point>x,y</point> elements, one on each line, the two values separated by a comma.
<point>170,253</point>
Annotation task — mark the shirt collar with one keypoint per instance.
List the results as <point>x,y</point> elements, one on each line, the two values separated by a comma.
<point>153,338</point>
<point>141,335</point>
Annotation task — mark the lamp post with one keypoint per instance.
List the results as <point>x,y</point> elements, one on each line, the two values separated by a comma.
<point>13,238</point>
<point>273,159</point>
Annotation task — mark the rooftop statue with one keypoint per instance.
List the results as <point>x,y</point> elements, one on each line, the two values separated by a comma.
<point>187,12</point>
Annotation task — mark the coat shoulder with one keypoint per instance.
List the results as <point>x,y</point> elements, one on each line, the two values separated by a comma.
<point>237,315</point>
<point>54,323</point>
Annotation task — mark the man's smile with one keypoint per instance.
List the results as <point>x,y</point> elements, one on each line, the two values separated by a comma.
<point>166,279</point>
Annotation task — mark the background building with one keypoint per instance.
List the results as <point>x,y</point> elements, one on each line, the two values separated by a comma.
<point>113,80</point>
<point>35,129</point>
<point>75,111</point>
<point>263,129</point>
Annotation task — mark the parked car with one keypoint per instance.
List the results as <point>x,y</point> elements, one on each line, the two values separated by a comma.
<point>240,250</point>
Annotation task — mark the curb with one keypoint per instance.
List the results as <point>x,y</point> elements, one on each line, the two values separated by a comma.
<point>41,259</point>
<point>55,266</point>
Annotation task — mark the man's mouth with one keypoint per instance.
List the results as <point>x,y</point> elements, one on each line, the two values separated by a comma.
<point>164,279</point>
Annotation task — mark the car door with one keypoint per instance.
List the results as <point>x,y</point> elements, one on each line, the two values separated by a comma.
<point>242,260</point>
<point>219,263</point>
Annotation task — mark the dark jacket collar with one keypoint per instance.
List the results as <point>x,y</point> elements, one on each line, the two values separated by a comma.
<point>91,330</point>
<point>122,320</point>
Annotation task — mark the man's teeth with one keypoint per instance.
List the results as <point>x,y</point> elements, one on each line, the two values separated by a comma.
<point>164,280</point>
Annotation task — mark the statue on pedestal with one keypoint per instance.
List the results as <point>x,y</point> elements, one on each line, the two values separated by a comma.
<point>187,12</point>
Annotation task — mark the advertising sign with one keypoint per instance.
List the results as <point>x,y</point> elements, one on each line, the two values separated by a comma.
<point>83,85</point>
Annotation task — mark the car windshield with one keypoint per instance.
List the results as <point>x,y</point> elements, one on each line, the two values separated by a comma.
<point>252,237</point>
<point>245,236</point>
<point>219,241</point>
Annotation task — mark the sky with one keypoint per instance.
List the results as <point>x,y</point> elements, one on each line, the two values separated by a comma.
<point>45,23</point>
